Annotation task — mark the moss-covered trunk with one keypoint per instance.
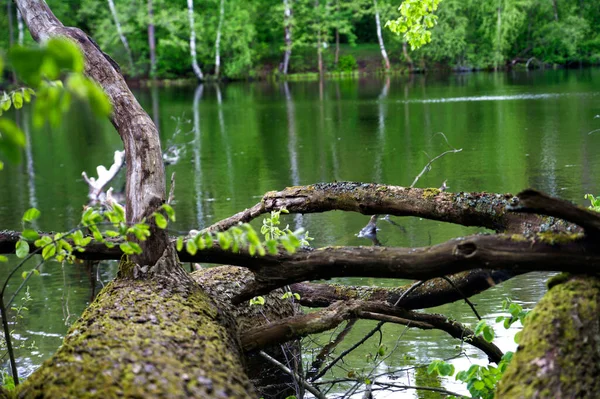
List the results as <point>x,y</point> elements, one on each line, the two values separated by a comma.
<point>559,351</point>
<point>140,339</point>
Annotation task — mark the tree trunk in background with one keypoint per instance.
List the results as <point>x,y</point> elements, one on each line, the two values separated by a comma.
<point>558,354</point>
<point>9,12</point>
<point>113,11</point>
<point>152,332</point>
<point>319,45</point>
<point>287,27</point>
<point>195,66</point>
<point>151,39</point>
<point>498,37</point>
<point>20,26</point>
<point>218,40</point>
<point>407,56</point>
<point>380,36</point>
<point>555,7</point>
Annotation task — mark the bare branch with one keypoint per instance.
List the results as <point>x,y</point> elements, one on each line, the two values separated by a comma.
<point>427,167</point>
<point>532,201</point>
<point>306,385</point>
<point>468,209</point>
<point>326,319</point>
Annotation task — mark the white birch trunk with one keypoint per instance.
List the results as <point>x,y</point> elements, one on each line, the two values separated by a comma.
<point>287,16</point>
<point>218,40</point>
<point>113,11</point>
<point>380,37</point>
<point>20,27</point>
<point>195,65</point>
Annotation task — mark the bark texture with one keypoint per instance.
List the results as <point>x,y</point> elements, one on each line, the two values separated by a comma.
<point>140,340</point>
<point>468,209</point>
<point>227,281</point>
<point>559,350</point>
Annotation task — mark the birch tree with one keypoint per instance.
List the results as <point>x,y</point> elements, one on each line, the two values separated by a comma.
<point>195,66</point>
<point>113,11</point>
<point>218,39</point>
<point>386,60</point>
<point>287,28</point>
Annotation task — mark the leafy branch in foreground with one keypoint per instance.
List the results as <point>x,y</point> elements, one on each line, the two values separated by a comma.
<point>416,18</point>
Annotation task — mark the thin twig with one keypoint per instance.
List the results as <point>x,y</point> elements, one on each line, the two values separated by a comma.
<point>172,190</point>
<point>285,369</point>
<point>463,295</point>
<point>327,349</point>
<point>431,161</point>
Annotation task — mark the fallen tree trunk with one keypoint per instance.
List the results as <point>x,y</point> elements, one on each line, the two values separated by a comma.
<point>142,339</point>
<point>558,354</point>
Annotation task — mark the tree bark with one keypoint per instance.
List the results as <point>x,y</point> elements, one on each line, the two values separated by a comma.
<point>195,66</point>
<point>218,40</point>
<point>558,354</point>
<point>468,209</point>
<point>380,37</point>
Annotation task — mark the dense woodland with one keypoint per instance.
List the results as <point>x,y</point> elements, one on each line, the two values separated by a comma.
<point>239,39</point>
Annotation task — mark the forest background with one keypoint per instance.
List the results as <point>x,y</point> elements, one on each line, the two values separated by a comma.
<point>248,40</point>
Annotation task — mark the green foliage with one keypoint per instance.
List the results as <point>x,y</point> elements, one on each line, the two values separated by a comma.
<point>416,20</point>
<point>347,63</point>
<point>485,330</point>
<point>594,202</point>
<point>289,239</point>
<point>290,295</point>
<point>441,368</point>
<point>257,300</point>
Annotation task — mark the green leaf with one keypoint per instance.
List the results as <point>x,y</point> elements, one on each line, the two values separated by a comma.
<point>179,244</point>
<point>27,62</point>
<point>5,102</point>
<point>31,214</point>
<point>65,54</point>
<point>160,220</point>
<point>22,249</point>
<point>190,247</point>
<point>126,248</point>
<point>27,93</point>
<point>169,211</point>
<point>257,300</point>
<point>479,385</point>
<point>24,275</point>
<point>30,235</point>
<point>3,258</point>
<point>17,99</point>
<point>48,251</point>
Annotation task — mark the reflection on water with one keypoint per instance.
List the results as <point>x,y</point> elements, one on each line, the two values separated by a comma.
<point>516,131</point>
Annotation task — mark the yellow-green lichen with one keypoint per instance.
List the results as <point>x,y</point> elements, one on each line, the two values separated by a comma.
<point>552,238</point>
<point>429,193</point>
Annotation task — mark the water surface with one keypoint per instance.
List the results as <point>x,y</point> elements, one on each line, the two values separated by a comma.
<point>238,141</point>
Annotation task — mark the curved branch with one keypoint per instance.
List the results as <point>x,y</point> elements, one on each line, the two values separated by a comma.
<point>468,209</point>
<point>432,293</point>
<point>326,319</point>
<point>560,252</point>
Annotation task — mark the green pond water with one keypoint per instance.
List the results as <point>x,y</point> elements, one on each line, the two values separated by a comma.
<point>237,141</point>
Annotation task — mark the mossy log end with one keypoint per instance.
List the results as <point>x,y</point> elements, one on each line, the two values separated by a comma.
<point>139,340</point>
<point>559,351</point>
